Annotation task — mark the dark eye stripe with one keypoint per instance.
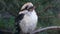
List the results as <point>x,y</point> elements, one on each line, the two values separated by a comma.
<point>27,8</point>
<point>31,7</point>
<point>24,8</point>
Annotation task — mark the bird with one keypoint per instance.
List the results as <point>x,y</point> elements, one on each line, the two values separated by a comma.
<point>27,19</point>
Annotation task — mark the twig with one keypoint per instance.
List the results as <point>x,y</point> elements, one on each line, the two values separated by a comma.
<point>45,9</point>
<point>46,28</point>
<point>2,30</point>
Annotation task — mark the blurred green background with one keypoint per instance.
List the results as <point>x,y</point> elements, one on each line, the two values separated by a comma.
<point>48,12</point>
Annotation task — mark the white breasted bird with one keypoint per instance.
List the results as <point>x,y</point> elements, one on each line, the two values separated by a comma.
<point>27,19</point>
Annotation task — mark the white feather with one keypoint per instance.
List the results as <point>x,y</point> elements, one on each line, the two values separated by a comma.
<point>29,22</point>
<point>27,4</point>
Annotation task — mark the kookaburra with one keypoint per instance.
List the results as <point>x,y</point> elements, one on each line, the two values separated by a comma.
<point>27,18</point>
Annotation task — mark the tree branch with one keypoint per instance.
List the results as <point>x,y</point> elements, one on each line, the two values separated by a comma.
<point>6,31</point>
<point>46,28</point>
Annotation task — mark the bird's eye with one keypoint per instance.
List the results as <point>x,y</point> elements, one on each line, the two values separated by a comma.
<point>31,8</point>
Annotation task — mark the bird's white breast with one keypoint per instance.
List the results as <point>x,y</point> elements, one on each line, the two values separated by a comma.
<point>29,22</point>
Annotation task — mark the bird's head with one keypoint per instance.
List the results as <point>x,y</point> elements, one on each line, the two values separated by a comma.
<point>28,6</point>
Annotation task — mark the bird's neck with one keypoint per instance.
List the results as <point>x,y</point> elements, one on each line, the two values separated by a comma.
<point>31,12</point>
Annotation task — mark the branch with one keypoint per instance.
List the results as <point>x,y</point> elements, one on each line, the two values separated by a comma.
<point>6,31</point>
<point>45,9</point>
<point>46,28</point>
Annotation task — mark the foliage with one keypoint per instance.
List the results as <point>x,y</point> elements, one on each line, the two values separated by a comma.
<point>47,10</point>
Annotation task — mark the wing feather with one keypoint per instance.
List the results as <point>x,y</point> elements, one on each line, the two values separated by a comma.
<point>17,21</point>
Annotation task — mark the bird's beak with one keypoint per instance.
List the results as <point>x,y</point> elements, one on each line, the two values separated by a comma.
<point>33,7</point>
